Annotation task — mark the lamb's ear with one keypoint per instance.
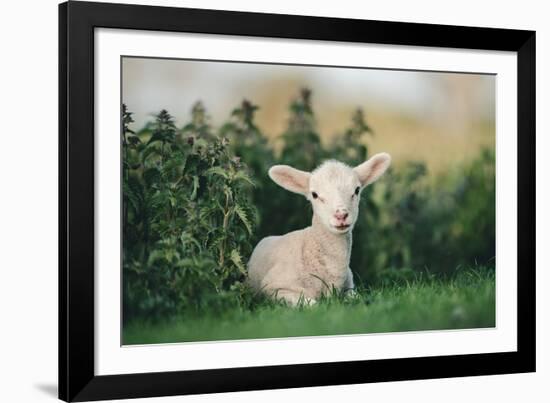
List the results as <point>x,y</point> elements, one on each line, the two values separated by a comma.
<point>372,169</point>
<point>290,178</point>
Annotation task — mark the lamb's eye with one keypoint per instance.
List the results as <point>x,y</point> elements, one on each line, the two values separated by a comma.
<point>357,190</point>
<point>315,195</point>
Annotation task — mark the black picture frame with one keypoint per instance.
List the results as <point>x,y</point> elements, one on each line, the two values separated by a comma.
<point>77,21</point>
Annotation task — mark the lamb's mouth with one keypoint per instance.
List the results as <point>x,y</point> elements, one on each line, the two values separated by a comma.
<point>342,227</point>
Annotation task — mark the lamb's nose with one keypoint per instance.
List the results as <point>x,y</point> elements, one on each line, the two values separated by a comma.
<point>341,215</point>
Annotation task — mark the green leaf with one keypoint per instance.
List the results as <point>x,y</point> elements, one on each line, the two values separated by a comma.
<point>217,170</point>
<point>241,213</point>
<point>147,152</point>
<point>157,136</point>
<point>243,176</point>
<point>186,239</point>
<point>235,257</point>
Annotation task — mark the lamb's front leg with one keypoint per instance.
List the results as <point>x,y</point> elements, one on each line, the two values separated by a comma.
<point>349,286</point>
<point>348,282</point>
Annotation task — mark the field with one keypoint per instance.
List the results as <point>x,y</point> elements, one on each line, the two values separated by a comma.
<point>464,300</point>
<point>197,199</point>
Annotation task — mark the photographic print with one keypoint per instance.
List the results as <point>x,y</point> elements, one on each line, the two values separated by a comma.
<point>261,201</point>
<point>272,200</point>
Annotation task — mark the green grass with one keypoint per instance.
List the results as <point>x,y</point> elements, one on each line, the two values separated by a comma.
<point>467,300</point>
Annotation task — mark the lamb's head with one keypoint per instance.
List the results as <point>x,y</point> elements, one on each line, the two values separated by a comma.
<point>334,188</point>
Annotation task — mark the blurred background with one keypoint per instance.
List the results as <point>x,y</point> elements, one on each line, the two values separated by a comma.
<point>440,118</point>
<point>196,131</point>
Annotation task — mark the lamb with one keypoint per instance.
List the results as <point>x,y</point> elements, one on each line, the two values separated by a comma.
<point>304,264</point>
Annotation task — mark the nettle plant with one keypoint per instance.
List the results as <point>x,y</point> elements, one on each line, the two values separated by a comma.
<point>187,216</point>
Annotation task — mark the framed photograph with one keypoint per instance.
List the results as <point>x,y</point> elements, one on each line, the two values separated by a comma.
<point>258,201</point>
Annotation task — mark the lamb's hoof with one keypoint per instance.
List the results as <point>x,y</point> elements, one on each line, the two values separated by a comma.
<point>304,302</point>
<point>310,301</point>
<point>351,295</point>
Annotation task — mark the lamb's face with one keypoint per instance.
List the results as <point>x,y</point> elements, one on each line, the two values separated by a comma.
<point>333,188</point>
<point>334,192</point>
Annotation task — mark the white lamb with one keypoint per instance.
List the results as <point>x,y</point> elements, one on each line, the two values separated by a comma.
<point>304,264</point>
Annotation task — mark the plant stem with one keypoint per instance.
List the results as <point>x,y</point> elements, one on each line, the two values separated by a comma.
<point>225,224</point>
